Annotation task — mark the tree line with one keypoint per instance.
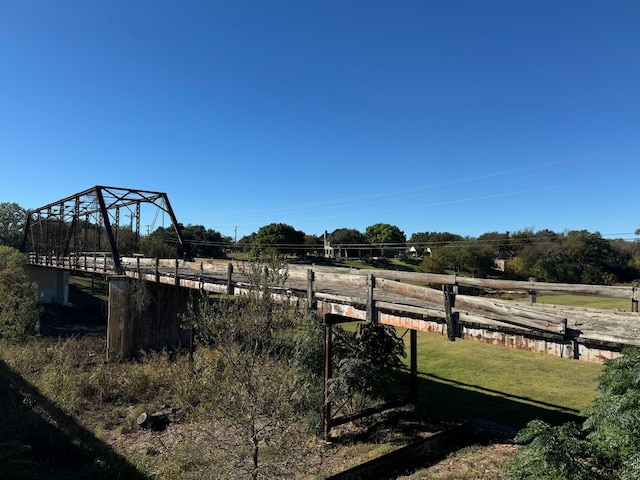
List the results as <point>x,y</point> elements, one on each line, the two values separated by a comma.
<point>576,256</point>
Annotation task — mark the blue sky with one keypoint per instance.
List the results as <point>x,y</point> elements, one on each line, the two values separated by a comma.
<point>432,115</point>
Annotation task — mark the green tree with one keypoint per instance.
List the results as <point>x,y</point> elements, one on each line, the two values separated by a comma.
<point>313,245</point>
<point>349,242</point>
<point>246,242</point>
<point>467,255</point>
<point>622,267</point>
<point>12,221</point>
<point>434,239</point>
<point>537,255</point>
<point>19,312</point>
<point>384,236</point>
<point>441,250</point>
<point>606,446</point>
<point>281,237</point>
<point>499,242</point>
<point>431,240</point>
<point>206,242</point>
<point>158,245</point>
<point>202,242</point>
<point>635,259</point>
<point>308,357</point>
<point>348,236</point>
<point>252,374</point>
<point>365,360</point>
<point>437,261</point>
<point>587,257</point>
<point>476,258</point>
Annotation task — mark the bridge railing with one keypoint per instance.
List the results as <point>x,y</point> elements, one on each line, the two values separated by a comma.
<point>94,261</point>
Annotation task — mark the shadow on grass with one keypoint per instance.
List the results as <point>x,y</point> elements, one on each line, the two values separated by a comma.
<point>442,403</point>
<point>449,400</point>
<point>40,440</point>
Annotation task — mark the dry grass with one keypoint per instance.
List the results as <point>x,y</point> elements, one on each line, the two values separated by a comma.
<point>105,399</point>
<point>97,403</point>
<point>479,462</point>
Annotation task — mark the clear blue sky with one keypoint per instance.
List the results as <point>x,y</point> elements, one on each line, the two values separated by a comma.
<point>432,115</point>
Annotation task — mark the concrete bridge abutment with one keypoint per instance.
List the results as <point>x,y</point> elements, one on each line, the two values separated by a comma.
<point>53,284</point>
<point>144,316</point>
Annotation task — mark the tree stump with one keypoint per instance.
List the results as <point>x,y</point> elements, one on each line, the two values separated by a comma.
<point>159,420</point>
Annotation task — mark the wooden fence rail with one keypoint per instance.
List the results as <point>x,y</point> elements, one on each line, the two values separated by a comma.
<point>370,294</point>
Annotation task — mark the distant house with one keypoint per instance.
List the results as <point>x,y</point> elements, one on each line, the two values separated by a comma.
<point>344,251</point>
<point>414,252</point>
<point>502,258</point>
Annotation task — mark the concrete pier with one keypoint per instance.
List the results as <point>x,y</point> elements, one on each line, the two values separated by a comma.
<point>144,316</point>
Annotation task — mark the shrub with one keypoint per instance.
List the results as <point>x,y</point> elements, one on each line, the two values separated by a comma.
<point>606,446</point>
<point>19,313</point>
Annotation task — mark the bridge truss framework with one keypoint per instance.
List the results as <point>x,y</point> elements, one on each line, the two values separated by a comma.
<point>92,221</point>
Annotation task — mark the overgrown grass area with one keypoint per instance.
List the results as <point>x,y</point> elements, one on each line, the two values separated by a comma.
<point>68,384</point>
<point>62,393</point>
<point>66,411</point>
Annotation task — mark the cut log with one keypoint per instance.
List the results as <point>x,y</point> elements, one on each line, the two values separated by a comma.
<point>159,420</point>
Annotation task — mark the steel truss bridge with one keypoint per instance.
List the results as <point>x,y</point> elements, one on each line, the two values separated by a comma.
<point>98,230</point>
<point>96,221</point>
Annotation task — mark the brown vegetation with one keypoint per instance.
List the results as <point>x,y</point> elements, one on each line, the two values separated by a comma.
<point>70,386</point>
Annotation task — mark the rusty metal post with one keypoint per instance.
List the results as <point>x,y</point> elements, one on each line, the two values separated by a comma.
<point>157,271</point>
<point>634,295</point>
<point>310,297</point>
<point>413,336</point>
<point>230,287</point>
<point>177,278</point>
<point>449,302</point>
<point>326,406</point>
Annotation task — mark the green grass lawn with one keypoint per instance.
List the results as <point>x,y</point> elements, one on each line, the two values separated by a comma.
<point>471,379</point>
<point>84,290</point>
<point>622,304</point>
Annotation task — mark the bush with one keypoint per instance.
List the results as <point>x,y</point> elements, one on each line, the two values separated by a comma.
<point>19,312</point>
<point>606,446</point>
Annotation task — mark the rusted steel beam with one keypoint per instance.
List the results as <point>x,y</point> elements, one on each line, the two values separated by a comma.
<point>109,230</point>
<point>92,209</point>
<point>328,368</point>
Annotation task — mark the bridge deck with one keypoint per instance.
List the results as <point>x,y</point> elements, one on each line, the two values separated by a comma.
<point>418,307</point>
<point>349,286</point>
